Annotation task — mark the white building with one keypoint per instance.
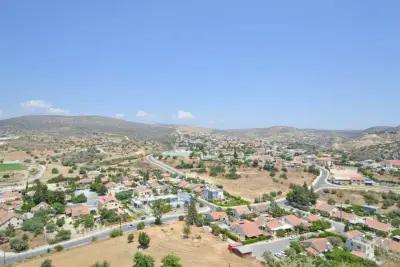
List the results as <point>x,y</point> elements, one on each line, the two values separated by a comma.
<point>213,193</point>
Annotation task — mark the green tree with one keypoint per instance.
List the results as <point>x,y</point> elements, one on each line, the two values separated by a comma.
<point>140,226</point>
<point>46,263</point>
<point>171,260</point>
<point>18,245</point>
<point>10,230</point>
<point>280,233</point>
<point>101,264</point>
<point>142,260</point>
<point>60,221</point>
<point>192,215</point>
<point>235,155</point>
<point>144,240</point>
<point>159,208</point>
<point>54,171</point>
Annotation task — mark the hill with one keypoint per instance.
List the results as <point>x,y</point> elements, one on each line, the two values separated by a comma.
<point>83,125</point>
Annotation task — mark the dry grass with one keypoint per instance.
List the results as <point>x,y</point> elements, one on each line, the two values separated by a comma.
<point>208,251</point>
<point>254,183</point>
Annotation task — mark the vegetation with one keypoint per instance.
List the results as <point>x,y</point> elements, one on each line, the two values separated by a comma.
<point>301,197</point>
<point>124,195</point>
<point>46,263</point>
<point>18,245</point>
<point>142,260</point>
<point>159,208</point>
<point>116,233</point>
<point>144,240</point>
<point>62,235</point>
<point>217,170</point>
<point>101,264</point>
<point>230,201</point>
<point>320,225</point>
<point>130,238</point>
<point>171,260</point>
<point>140,226</point>
<point>11,167</point>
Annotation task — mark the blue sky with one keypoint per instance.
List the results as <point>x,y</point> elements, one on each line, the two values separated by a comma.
<point>222,64</point>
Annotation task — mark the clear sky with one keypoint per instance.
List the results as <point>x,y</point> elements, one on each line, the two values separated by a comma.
<point>223,64</point>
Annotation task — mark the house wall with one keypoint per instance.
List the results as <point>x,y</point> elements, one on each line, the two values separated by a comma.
<point>360,246</point>
<point>16,222</point>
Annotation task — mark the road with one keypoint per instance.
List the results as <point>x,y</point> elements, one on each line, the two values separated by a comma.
<point>12,257</point>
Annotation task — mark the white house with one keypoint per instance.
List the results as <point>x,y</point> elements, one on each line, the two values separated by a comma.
<point>213,193</point>
<point>360,246</point>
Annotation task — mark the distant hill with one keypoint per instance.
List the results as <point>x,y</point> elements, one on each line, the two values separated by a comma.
<point>82,125</point>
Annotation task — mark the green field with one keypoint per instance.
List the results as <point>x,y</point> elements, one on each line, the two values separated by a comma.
<point>11,167</point>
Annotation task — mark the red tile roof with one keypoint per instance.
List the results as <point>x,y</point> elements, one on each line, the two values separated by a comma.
<point>353,233</point>
<point>378,225</point>
<point>359,254</point>
<point>394,161</point>
<point>313,218</point>
<point>39,206</point>
<point>319,244</point>
<point>250,229</point>
<point>273,224</point>
<point>312,251</point>
<point>77,211</point>
<point>218,215</point>
<point>293,220</point>
<point>325,207</point>
<point>104,199</point>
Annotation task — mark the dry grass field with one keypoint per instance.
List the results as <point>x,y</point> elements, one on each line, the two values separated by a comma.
<point>254,183</point>
<point>207,251</point>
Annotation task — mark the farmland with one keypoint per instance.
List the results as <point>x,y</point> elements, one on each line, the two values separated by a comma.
<point>11,167</point>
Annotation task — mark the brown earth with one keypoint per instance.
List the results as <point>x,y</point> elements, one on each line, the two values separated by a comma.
<point>207,251</point>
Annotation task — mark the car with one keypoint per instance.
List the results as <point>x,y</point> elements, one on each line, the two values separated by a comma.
<point>130,226</point>
<point>292,237</point>
<point>282,253</point>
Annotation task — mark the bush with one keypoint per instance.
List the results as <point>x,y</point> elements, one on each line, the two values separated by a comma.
<point>59,248</point>
<point>62,235</point>
<point>254,240</point>
<point>116,232</point>
<point>181,218</point>
<point>140,226</point>
<point>46,263</point>
<point>130,238</point>
<point>296,246</point>
<point>144,240</point>
<point>18,245</point>
<point>331,201</point>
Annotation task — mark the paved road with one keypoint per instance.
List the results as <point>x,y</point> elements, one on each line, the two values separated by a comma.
<point>12,257</point>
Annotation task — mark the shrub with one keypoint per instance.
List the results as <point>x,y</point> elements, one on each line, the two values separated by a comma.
<point>18,245</point>
<point>46,263</point>
<point>59,248</point>
<point>254,240</point>
<point>144,239</point>
<point>116,232</point>
<point>181,218</point>
<point>140,226</point>
<point>331,201</point>
<point>130,238</point>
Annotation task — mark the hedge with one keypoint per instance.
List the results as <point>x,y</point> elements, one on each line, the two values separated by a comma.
<point>229,234</point>
<point>254,240</point>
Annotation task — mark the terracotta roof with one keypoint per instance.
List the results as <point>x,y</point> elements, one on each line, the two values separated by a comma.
<point>319,244</point>
<point>352,234</point>
<point>389,244</point>
<point>198,189</point>
<point>394,161</point>
<point>359,254</point>
<point>357,178</point>
<point>10,195</point>
<point>218,215</point>
<point>261,221</point>
<point>109,184</point>
<point>250,229</point>
<point>313,218</point>
<point>141,188</point>
<point>325,207</point>
<point>293,220</point>
<point>378,225</point>
<point>344,215</point>
<point>105,179</point>
<point>261,208</point>
<point>77,211</point>
<point>182,184</point>
<point>85,181</point>
<point>273,224</point>
<point>312,251</point>
<point>104,199</point>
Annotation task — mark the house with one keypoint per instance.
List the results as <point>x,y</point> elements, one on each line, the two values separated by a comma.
<point>371,209</point>
<point>240,211</point>
<point>292,220</point>
<point>109,202</point>
<point>378,226</point>
<point>216,216</point>
<point>243,251</point>
<point>77,211</point>
<point>40,206</point>
<point>275,225</point>
<point>388,244</point>
<point>391,164</point>
<point>9,196</point>
<point>110,185</point>
<point>261,222</point>
<point>105,179</point>
<point>317,246</point>
<point>312,218</point>
<point>260,209</point>
<point>246,229</point>
<point>352,234</point>
<point>10,218</point>
<point>326,162</point>
<point>84,181</point>
<point>143,192</point>
<point>357,180</point>
<point>326,208</point>
<point>341,180</point>
<point>342,215</point>
<point>359,246</point>
<point>182,184</point>
<point>213,193</point>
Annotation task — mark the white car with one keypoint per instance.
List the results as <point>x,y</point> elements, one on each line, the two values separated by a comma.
<point>292,237</point>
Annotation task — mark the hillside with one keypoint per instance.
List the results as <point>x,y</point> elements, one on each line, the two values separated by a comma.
<point>379,151</point>
<point>83,125</point>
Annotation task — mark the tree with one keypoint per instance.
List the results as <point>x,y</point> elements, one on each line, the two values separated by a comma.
<point>171,260</point>
<point>46,263</point>
<point>140,226</point>
<point>116,232</point>
<point>186,230</point>
<point>280,233</point>
<point>331,201</point>
<point>10,230</point>
<point>142,260</point>
<point>159,208</point>
<point>235,155</point>
<point>270,259</point>
<point>192,215</point>
<point>54,171</point>
<point>144,240</point>
<point>60,221</point>
<point>88,221</point>
<point>130,238</point>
